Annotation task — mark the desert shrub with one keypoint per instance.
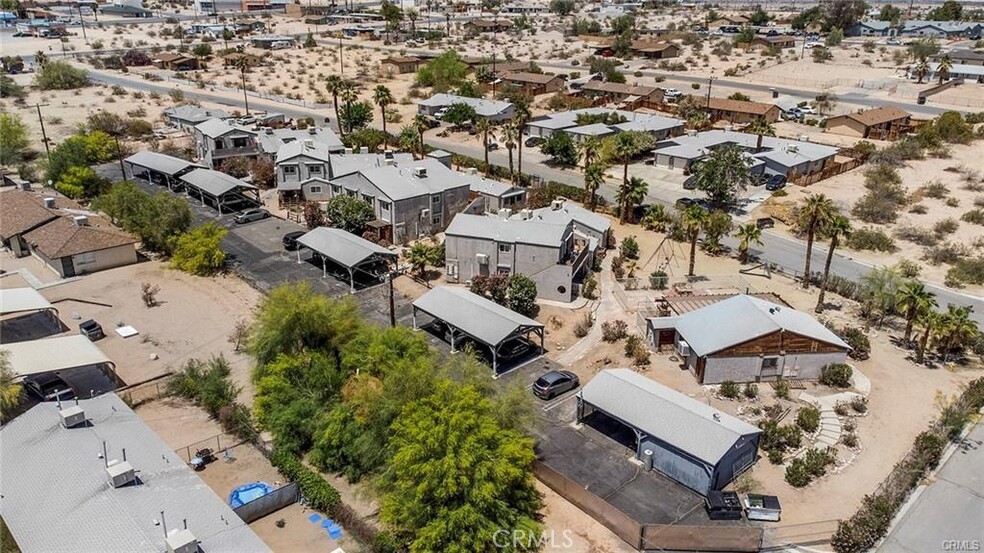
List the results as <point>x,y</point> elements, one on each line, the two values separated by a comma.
<point>781,387</point>
<point>808,419</point>
<point>916,235</point>
<point>947,252</point>
<point>775,456</point>
<point>936,190</point>
<point>801,471</point>
<point>837,375</point>
<point>858,340</point>
<point>842,408</point>
<point>316,491</point>
<point>849,439</point>
<point>583,326</point>
<point>629,248</point>
<point>968,270</point>
<point>206,383</point>
<point>952,202</point>
<point>781,438</point>
<point>590,288</point>
<point>859,404</point>
<point>729,389</point>
<point>974,216</point>
<point>908,268</point>
<point>613,331</point>
<point>871,239</point>
<point>635,349</point>
<point>919,209</point>
<point>658,280</point>
<point>849,425</point>
<point>945,227</point>
<point>751,391</point>
<point>885,195</point>
<point>796,474</point>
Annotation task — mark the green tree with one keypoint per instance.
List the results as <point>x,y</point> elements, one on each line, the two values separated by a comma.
<point>629,195</point>
<point>392,14</point>
<point>335,85</point>
<point>10,389</point>
<point>816,212</point>
<point>745,36</point>
<point>929,323</point>
<point>723,175</point>
<point>459,113</point>
<point>367,137</point>
<point>349,213</point>
<point>443,72</point>
<point>923,48</point>
<point>655,218</point>
<point>356,115</point>
<point>522,116</point>
<point>879,288</point>
<point>842,13</point>
<point>409,140</point>
<point>202,52</point>
<point>693,219</point>
<point>157,220</point>
<point>510,135</point>
<point>486,133</point>
<point>79,150</point>
<point>921,70</point>
<point>199,251</point>
<point>562,7</point>
<point>951,10</point>
<point>456,477</point>
<point>383,97</point>
<point>310,42</point>
<point>422,254</point>
<point>561,149</point>
<point>911,299</point>
<point>747,235</point>
<point>623,147</point>
<point>956,329</point>
<point>718,224</point>
<point>760,127</point>
<point>838,227</point>
<point>943,69</point>
<point>420,124</point>
<point>10,89</point>
<point>59,75</point>
<point>834,37</point>
<point>14,142</point>
<point>594,177</point>
<point>759,17</point>
<point>826,102</point>
<point>522,295</point>
<point>806,18</point>
<point>890,13</point>
<point>81,182</point>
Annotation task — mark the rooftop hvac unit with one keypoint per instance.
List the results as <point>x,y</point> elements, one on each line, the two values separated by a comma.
<point>364,150</point>
<point>268,130</point>
<point>505,213</point>
<point>348,150</point>
<point>308,144</point>
<point>683,348</point>
<point>181,541</point>
<point>49,203</point>
<point>557,204</point>
<point>420,172</point>
<point>472,171</point>
<point>80,220</point>
<point>425,213</point>
<point>526,214</point>
<point>483,259</point>
<point>72,416</point>
<point>792,149</point>
<point>804,138</point>
<point>120,473</point>
<point>312,130</point>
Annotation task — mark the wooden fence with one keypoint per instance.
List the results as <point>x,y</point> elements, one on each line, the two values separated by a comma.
<point>701,538</point>
<point>827,172</point>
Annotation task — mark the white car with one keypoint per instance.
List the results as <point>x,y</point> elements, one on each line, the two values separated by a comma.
<point>671,92</point>
<point>815,45</point>
<point>439,114</point>
<point>808,110</point>
<point>281,44</point>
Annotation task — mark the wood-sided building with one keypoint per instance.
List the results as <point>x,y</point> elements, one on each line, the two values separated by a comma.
<point>748,339</point>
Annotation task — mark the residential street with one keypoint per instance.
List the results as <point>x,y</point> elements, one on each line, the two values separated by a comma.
<point>949,514</point>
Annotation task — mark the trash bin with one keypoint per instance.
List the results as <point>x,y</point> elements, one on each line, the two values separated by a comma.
<point>647,459</point>
<point>921,100</point>
<point>775,93</point>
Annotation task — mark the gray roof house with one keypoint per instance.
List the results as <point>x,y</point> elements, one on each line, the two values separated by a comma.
<point>490,196</point>
<point>970,73</point>
<point>549,253</point>
<point>685,439</point>
<point>779,156</point>
<point>752,340</point>
<point>493,110</point>
<point>562,211</point>
<point>660,127</point>
<point>187,116</point>
<point>963,56</point>
<point>870,27</point>
<point>940,29</point>
<point>60,494</point>
<point>219,139</point>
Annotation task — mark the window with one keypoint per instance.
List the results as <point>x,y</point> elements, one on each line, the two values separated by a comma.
<point>770,362</point>
<point>435,200</point>
<point>505,248</point>
<point>336,190</point>
<point>315,189</point>
<point>314,169</point>
<point>385,206</point>
<point>239,143</point>
<point>368,198</point>
<point>436,220</point>
<point>290,169</point>
<point>503,270</point>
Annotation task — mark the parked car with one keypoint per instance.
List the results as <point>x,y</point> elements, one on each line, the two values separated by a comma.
<point>534,141</point>
<point>251,215</point>
<point>808,110</point>
<point>555,383</point>
<point>513,348</point>
<point>439,114</point>
<point>48,387</point>
<point>290,240</point>
<point>793,114</point>
<point>811,45</point>
<point>493,146</point>
<point>671,92</point>
<point>775,183</point>
<point>893,42</point>
<point>91,330</point>
<point>765,222</point>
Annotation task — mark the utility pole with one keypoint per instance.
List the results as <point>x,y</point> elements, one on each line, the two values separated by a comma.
<point>242,69</point>
<point>341,64</point>
<point>119,154</point>
<point>710,83</point>
<point>392,275</point>
<point>44,135</point>
<point>82,21</point>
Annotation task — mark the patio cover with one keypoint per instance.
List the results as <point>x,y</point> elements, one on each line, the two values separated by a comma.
<point>162,163</point>
<point>53,354</point>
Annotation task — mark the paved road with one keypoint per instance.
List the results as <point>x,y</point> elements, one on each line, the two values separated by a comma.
<point>949,515</point>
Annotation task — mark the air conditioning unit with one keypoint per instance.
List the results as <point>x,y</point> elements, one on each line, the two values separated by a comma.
<point>49,203</point>
<point>425,213</point>
<point>792,149</point>
<point>683,348</point>
<point>483,259</point>
<point>181,541</point>
<point>557,204</point>
<point>505,213</point>
<point>420,172</point>
<point>72,416</point>
<point>80,220</point>
<point>120,473</point>
<point>526,214</point>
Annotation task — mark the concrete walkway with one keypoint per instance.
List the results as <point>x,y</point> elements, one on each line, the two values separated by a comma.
<point>830,425</point>
<point>605,308</point>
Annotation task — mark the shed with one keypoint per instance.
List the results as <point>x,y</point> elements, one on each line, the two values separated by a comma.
<point>478,318</point>
<point>688,441</point>
<point>348,250</point>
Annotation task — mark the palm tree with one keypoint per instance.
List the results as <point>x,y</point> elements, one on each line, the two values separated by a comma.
<point>921,70</point>
<point>760,127</point>
<point>520,118</point>
<point>943,69</point>
<point>420,255</point>
<point>594,177</point>
<point>335,86</point>
<point>412,14</point>
<point>420,124</point>
<point>242,64</point>
<point>485,131</point>
<point>826,102</point>
<point>624,148</point>
<point>693,219</point>
<point>837,228</point>
<point>816,213</point>
<point>383,97</point>
<point>929,321</point>
<point>654,218</point>
<point>348,95</point>
<point>956,328</point>
<point>629,195</point>
<point>911,300</point>
<point>588,150</point>
<point>748,234</point>
<point>510,136</point>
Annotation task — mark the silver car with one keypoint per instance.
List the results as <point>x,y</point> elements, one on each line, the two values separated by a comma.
<point>251,215</point>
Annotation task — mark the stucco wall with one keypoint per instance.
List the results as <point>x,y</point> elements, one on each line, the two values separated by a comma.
<point>540,263</point>
<point>105,259</point>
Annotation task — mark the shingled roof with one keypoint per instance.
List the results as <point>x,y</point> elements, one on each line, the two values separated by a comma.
<point>878,116</point>
<point>20,212</point>
<point>738,106</point>
<point>62,237</point>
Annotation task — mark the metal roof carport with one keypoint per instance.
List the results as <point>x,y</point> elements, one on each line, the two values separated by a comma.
<point>168,167</point>
<point>216,185</point>
<point>22,300</point>
<point>344,248</point>
<point>479,318</point>
<point>55,354</point>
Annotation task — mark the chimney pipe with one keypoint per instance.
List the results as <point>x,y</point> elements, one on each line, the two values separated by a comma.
<point>124,454</point>
<point>164,524</point>
<point>105,455</point>
<point>185,523</point>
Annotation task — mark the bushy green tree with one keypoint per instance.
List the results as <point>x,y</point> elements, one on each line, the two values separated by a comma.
<point>156,219</point>
<point>522,295</point>
<point>422,254</point>
<point>355,115</point>
<point>10,388</point>
<point>890,13</point>
<point>14,140</point>
<point>443,72</point>
<point>81,182</point>
<point>59,75</point>
<point>199,251</point>
<point>951,10</point>
<point>459,114</point>
<point>561,149</point>
<point>723,175</point>
<point>562,7</point>
<point>349,213</point>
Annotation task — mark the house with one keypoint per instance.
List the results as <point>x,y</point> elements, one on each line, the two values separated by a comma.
<point>739,111</point>
<point>489,25</point>
<point>73,245</point>
<point>562,211</point>
<point>233,59</point>
<point>489,196</point>
<point>781,42</point>
<point>687,440</point>
<point>93,476</point>
<point>176,62</point>
<point>870,27</point>
<point>884,123</point>
<point>567,121</point>
<point>493,110</point>
<point>655,50</point>
<point>525,8</point>
<point>969,73</point>
<point>218,140</point>
<point>960,56</point>
<point>481,246</point>
<point>778,156</point>
<point>581,133</point>
<point>753,340</point>
<point>186,116</point>
<point>303,168</point>
<point>728,21</point>
<point>42,28</point>
<point>623,93</point>
<point>534,83</point>
<point>400,64</point>
<point>20,213</point>
<point>125,10</point>
<point>940,29</point>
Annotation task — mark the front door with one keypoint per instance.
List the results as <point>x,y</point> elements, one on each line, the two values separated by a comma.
<point>770,368</point>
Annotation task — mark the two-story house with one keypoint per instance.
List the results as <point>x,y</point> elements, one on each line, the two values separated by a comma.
<point>550,254</point>
<point>303,168</point>
<point>218,140</point>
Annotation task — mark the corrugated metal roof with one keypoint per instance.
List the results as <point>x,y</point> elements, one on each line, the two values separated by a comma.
<point>214,183</point>
<point>53,354</point>
<point>511,231</point>
<point>666,414</point>
<point>57,498</point>
<point>19,300</point>
<point>162,163</point>
<point>481,318</point>
<point>742,318</point>
<point>343,247</point>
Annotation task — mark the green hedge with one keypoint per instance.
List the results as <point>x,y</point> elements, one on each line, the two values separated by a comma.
<point>320,495</point>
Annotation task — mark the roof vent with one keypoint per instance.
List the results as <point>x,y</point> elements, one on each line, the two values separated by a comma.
<point>181,541</point>
<point>308,144</point>
<point>72,416</point>
<point>348,150</point>
<point>526,214</point>
<point>80,220</point>
<point>557,204</point>
<point>472,170</point>
<point>420,172</point>
<point>364,150</point>
<point>312,130</point>
<point>24,185</point>
<point>268,130</point>
<point>804,138</point>
<point>388,154</point>
<point>49,203</point>
<point>716,417</point>
<point>120,473</point>
<point>390,161</point>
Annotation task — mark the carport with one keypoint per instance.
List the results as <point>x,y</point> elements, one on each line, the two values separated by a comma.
<point>56,354</point>
<point>26,314</point>
<point>480,319</point>
<point>348,250</point>
<point>23,300</point>
<point>153,166</point>
<point>218,187</point>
